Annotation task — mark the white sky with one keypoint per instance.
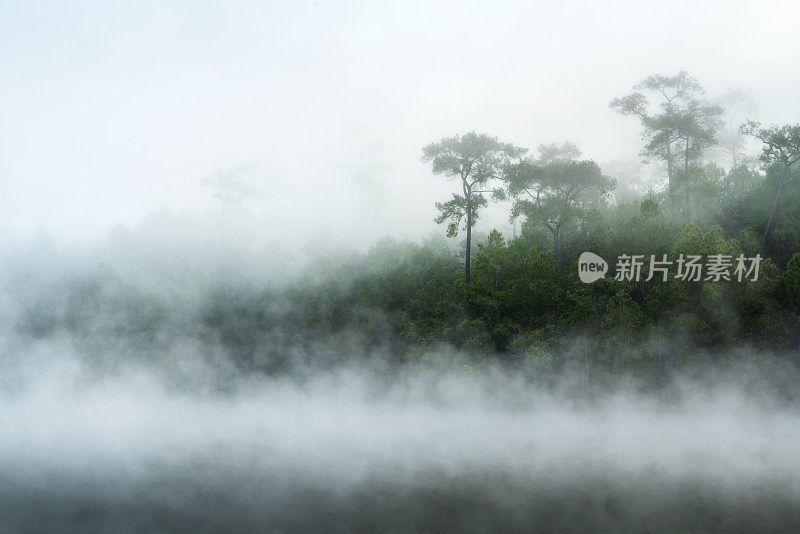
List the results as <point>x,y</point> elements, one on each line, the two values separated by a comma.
<point>110,111</point>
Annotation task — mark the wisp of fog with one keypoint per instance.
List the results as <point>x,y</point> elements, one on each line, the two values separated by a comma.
<point>92,442</point>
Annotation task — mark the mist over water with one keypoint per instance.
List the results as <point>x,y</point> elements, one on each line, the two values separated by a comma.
<point>177,437</point>
<point>313,266</point>
<point>340,453</point>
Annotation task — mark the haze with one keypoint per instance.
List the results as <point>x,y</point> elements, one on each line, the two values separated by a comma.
<point>112,113</point>
<point>225,305</point>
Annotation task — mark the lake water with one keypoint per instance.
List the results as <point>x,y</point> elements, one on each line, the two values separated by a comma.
<point>287,459</point>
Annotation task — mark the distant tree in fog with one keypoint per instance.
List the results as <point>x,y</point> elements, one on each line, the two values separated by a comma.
<point>735,105</point>
<point>553,190</point>
<point>475,159</point>
<point>684,124</point>
<point>231,190</point>
<point>781,148</point>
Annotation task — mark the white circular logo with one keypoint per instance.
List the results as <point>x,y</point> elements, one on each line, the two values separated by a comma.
<point>591,267</point>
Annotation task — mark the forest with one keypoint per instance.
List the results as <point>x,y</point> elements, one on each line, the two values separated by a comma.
<point>408,267</point>
<point>405,267</point>
<point>518,298</point>
<point>476,299</point>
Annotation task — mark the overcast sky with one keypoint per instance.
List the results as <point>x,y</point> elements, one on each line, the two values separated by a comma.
<point>111,111</point>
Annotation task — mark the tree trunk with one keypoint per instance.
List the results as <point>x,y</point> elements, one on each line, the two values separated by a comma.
<point>554,231</point>
<point>469,236</point>
<point>660,352</point>
<point>686,179</point>
<point>673,208</point>
<point>586,362</point>
<point>772,211</point>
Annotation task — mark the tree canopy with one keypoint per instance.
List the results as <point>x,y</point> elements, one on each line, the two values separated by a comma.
<point>476,160</point>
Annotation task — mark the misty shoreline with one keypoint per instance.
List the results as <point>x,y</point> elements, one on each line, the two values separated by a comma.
<point>125,457</point>
<point>125,409</point>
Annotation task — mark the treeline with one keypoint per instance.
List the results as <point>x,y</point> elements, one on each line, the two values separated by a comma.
<point>522,300</point>
<point>491,298</point>
<point>409,302</point>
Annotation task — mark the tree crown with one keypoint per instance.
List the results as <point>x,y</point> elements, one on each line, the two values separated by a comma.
<point>475,158</point>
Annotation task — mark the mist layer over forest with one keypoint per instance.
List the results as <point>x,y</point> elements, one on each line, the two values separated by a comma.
<point>190,394</point>
<point>435,385</point>
<point>410,267</point>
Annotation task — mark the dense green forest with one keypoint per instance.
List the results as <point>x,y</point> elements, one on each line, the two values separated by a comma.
<point>516,299</point>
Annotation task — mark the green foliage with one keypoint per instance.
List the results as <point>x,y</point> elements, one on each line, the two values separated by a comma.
<point>523,302</point>
<point>476,160</point>
<point>790,280</point>
<point>511,289</point>
<point>781,143</point>
<point>676,130</point>
<point>455,209</point>
<point>555,191</point>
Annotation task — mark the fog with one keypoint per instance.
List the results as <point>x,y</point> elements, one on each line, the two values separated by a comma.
<point>120,457</point>
<point>102,429</point>
<point>338,452</point>
<point>225,305</point>
<point>111,112</point>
